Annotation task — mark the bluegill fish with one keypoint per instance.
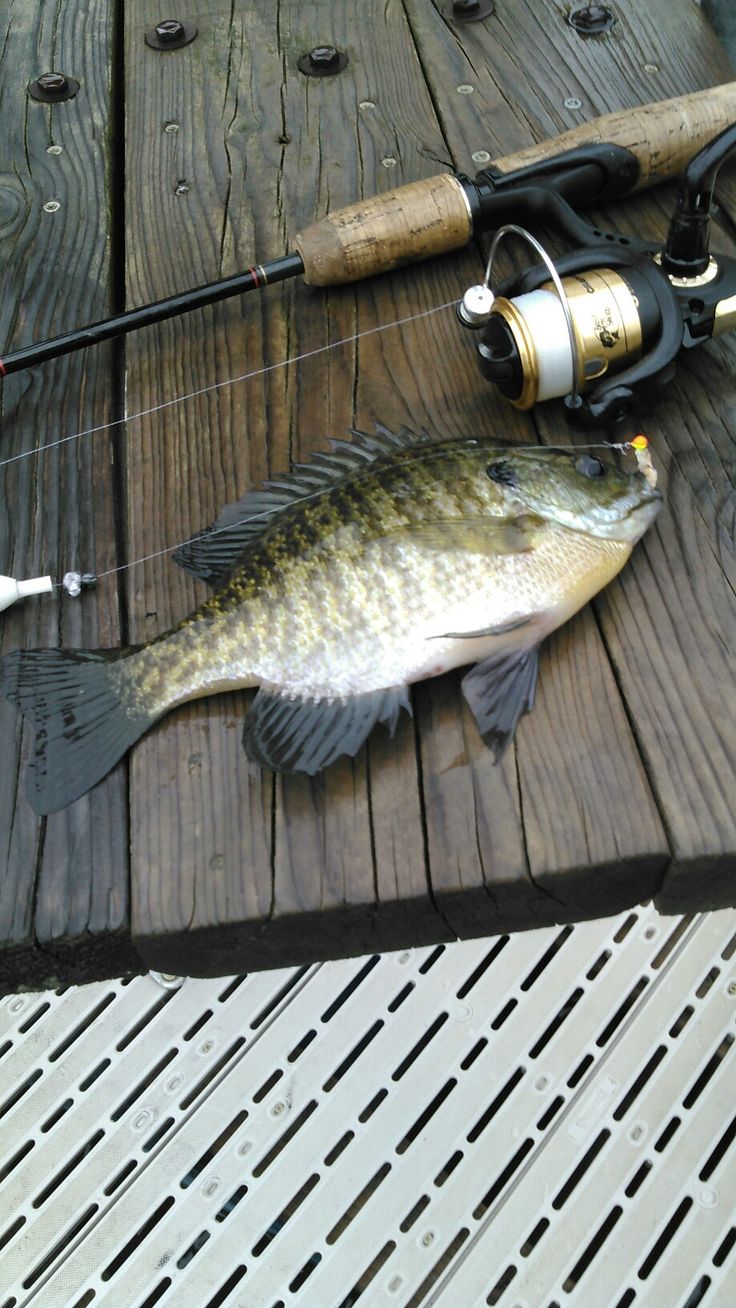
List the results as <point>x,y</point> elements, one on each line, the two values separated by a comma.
<point>390,559</point>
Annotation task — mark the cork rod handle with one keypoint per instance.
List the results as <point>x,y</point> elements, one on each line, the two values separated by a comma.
<point>433,216</point>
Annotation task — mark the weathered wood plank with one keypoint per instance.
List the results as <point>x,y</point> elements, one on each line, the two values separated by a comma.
<point>668,622</point>
<point>593,836</point>
<point>64,887</point>
<point>343,873</point>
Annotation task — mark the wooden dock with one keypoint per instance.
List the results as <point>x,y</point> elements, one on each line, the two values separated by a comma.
<point>170,169</point>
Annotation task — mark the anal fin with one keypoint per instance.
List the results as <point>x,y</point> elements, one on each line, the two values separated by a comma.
<point>305,735</point>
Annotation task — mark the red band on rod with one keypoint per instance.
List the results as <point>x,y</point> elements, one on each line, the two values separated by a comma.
<point>3,369</point>
<point>254,274</point>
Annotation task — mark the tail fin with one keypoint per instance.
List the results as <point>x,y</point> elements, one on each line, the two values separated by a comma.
<point>85,721</point>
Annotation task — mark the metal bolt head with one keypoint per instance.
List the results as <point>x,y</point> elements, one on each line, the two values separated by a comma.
<point>323,56</point>
<point>169,30</point>
<point>590,20</point>
<point>170,34</point>
<point>322,61</point>
<point>573,102</point>
<point>467,11</point>
<point>53,87</point>
<point>55,83</point>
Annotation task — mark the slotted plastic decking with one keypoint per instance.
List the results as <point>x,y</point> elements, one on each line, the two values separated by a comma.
<point>536,1121</point>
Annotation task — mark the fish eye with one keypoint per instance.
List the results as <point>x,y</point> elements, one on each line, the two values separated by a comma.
<point>503,473</point>
<point>590,467</point>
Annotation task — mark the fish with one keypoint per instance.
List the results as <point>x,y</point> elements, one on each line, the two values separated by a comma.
<point>390,558</point>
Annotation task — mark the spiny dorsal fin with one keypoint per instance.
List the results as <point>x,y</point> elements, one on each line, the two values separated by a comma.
<point>214,553</point>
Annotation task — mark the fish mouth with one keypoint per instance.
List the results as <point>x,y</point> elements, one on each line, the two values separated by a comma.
<point>625,522</point>
<point>632,526</point>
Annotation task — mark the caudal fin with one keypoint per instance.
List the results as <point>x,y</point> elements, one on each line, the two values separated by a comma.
<point>84,719</point>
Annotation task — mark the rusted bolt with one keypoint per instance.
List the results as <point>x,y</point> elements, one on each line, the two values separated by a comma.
<point>322,61</point>
<point>170,34</point>
<point>51,88</point>
<point>590,20</point>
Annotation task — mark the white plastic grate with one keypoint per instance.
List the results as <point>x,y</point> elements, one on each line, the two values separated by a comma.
<point>535,1122</point>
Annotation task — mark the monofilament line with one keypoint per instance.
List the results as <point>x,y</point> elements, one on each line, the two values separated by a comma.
<point>229,381</point>
<point>269,513</point>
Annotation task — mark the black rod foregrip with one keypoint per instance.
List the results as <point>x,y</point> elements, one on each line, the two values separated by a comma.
<point>256,277</point>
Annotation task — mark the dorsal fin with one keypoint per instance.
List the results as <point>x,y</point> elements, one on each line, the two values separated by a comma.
<point>214,553</point>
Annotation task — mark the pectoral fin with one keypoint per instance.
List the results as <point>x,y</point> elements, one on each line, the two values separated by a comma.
<point>502,630</point>
<point>499,691</point>
<point>305,735</point>
<point>490,536</point>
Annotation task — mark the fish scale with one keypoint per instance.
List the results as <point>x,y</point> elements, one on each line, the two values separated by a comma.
<point>385,561</point>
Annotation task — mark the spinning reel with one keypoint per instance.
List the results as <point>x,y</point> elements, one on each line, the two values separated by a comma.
<point>602,326</point>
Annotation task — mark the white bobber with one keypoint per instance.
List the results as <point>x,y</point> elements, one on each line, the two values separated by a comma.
<point>12,590</point>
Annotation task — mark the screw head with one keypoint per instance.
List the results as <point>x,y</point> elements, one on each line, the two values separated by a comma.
<point>322,61</point>
<point>170,34</point>
<point>169,30</point>
<point>467,11</point>
<point>55,83</point>
<point>53,87</point>
<point>591,19</point>
<point>323,56</point>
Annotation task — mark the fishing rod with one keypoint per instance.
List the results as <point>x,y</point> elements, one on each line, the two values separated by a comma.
<point>594,162</point>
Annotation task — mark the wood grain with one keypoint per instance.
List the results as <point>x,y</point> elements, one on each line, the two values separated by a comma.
<point>628,759</point>
<point>666,623</point>
<point>64,890</point>
<point>307,877</point>
<point>577,764</point>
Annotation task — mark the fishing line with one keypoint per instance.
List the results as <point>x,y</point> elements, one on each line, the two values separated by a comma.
<point>74,582</point>
<point>229,381</point>
<point>620,446</point>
